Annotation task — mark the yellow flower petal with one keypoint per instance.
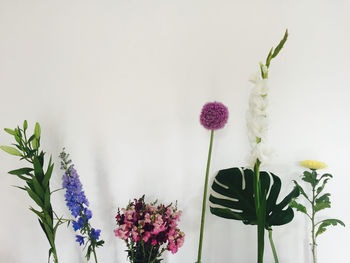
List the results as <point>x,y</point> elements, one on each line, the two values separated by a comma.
<point>313,164</point>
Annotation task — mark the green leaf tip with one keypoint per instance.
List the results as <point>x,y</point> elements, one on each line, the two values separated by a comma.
<point>9,131</point>
<point>11,150</point>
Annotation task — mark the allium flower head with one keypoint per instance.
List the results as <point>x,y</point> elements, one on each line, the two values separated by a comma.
<point>314,165</point>
<point>214,115</point>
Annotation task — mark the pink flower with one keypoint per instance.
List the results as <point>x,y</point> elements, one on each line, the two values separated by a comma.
<point>146,236</point>
<point>172,247</point>
<point>135,234</point>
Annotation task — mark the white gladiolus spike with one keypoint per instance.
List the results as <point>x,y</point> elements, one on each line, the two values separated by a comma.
<point>257,121</point>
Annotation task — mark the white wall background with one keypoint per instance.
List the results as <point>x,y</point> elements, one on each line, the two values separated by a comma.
<point>120,84</point>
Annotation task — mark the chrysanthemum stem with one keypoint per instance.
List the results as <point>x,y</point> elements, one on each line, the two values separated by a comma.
<point>204,204</point>
<point>273,246</point>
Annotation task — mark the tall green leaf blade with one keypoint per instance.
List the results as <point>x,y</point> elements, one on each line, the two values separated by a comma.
<point>280,45</point>
<point>11,150</point>
<point>34,196</point>
<point>48,174</point>
<point>25,125</point>
<point>38,188</point>
<point>25,170</point>
<point>38,170</point>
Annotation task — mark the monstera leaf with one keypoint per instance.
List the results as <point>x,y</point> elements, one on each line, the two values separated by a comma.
<point>235,196</point>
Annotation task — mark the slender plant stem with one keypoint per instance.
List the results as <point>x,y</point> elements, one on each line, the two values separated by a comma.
<point>150,254</point>
<point>205,198</point>
<point>259,213</point>
<point>95,257</point>
<point>273,246</point>
<point>55,255</point>
<point>313,224</point>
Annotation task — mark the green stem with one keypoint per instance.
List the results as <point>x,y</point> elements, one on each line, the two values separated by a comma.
<point>54,253</point>
<point>259,213</point>
<point>150,254</point>
<point>273,246</point>
<point>205,198</point>
<point>95,257</point>
<point>313,224</point>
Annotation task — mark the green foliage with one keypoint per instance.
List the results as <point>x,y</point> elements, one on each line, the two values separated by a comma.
<point>327,222</point>
<point>236,188</point>
<point>317,202</point>
<point>36,179</point>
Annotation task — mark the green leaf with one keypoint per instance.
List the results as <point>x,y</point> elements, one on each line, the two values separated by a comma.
<point>320,188</point>
<point>280,45</point>
<point>37,131</point>
<point>11,150</point>
<point>328,222</point>
<point>25,170</point>
<point>299,207</point>
<point>38,170</point>
<point>31,138</point>
<point>236,187</point>
<point>24,177</point>
<point>47,201</point>
<point>25,125</point>
<point>19,187</point>
<point>301,189</point>
<point>39,214</point>
<point>38,188</point>
<point>310,178</point>
<point>322,202</point>
<point>269,57</point>
<point>34,197</point>
<point>9,131</point>
<point>48,174</point>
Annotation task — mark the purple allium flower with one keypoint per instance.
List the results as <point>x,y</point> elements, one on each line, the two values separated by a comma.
<point>214,115</point>
<point>80,240</point>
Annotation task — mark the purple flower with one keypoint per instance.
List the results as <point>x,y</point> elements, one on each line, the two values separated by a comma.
<point>95,234</point>
<point>78,224</point>
<point>214,115</point>
<point>80,240</point>
<point>78,204</point>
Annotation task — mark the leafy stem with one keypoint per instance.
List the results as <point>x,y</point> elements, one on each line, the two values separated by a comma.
<point>317,202</point>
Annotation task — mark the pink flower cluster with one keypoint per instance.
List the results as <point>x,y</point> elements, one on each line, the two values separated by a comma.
<point>151,224</point>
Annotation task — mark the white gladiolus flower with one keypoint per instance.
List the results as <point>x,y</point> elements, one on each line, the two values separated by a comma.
<point>257,122</point>
<point>260,151</point>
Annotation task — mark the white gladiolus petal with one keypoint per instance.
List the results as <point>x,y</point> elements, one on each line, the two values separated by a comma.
<point>257,122</point>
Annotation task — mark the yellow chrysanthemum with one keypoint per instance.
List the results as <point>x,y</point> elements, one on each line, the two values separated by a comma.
<point>316,165</point>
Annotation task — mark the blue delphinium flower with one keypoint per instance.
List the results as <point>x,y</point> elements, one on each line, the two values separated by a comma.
<point>78,205</point>
<point>80,239</point>
<point>95,234</point>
